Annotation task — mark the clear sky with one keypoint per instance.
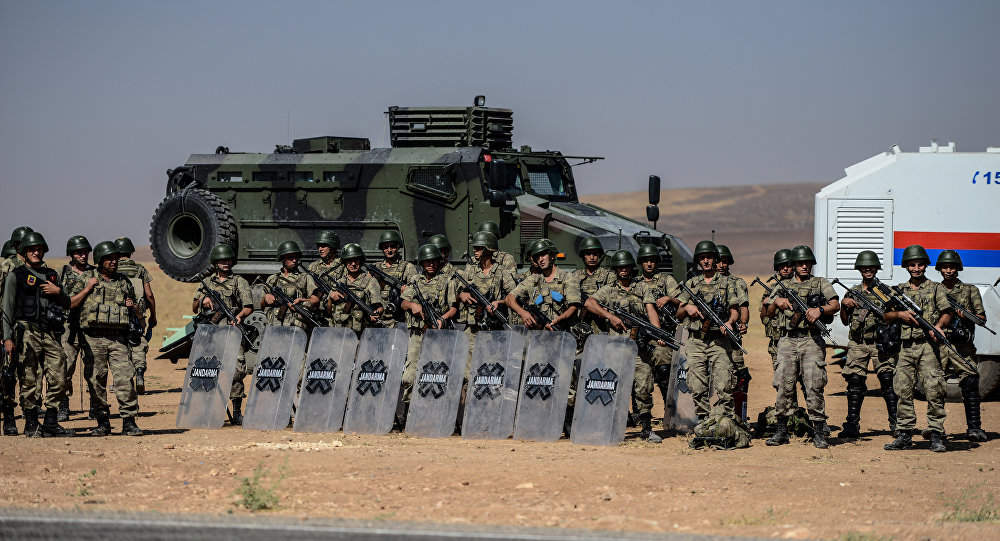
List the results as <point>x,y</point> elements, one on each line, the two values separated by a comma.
<point>100,98</point>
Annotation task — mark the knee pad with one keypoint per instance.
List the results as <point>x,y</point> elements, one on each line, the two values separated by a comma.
<point>970,385</point>
<point>661,374</point>
<point>857,382</point>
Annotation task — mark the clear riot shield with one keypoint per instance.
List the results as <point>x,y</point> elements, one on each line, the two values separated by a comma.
<point>491,398</point>
<point>209,377</point>
<point>272,391</point>
<point>375,385</point>
<point>680,406</point>
<point>545,382</point>
<point>325,380</point>
<point>437,389</point>
<point>603,390</point>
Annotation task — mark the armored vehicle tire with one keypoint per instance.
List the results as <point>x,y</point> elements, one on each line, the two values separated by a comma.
<point>989,380</point>
<point>184,229</point>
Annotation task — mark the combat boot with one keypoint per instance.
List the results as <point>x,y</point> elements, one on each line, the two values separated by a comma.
<point>63,410</point>
<point>31,423</point>
<point>780,436</point>
<point>9,426</point>
<point>103,424</point>
<point>129,428</point>
<point>819,435</point>
<point>971,399</point>
<point>855,397</point>
<point>568,422</point>
<point>237,412</point>
<point>903,441</point>
<point>889,395</point>
<point>51,429</point>
<point>937,442</point>
<point>646,421</point>
<point>140,381</point>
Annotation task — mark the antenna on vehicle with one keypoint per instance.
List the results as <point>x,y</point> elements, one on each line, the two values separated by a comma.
<point>713,235</point>
<point>653,211</point>
<point>619,238</point>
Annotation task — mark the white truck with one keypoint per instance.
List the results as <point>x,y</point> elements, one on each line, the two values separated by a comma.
<point>937,197</point>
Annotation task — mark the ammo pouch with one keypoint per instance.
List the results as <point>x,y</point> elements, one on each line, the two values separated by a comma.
<point>888,337</point>
<point>106,316</point>
<point>816,300</point>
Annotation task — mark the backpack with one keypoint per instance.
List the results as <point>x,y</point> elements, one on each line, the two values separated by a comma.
<point>798,423</point>
<point>721,431</point>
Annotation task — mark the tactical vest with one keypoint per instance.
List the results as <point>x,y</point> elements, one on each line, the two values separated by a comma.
<point>864,322</point>
<point>926,298</point>
<point>811,292</point>
<point>717,294</point>
<point>132,270</point>
<point>104,307</point>
<point>30,303</point>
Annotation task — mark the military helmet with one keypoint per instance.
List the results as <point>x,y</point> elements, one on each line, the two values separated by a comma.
<point>802,253</point>
<point>389,236</point>
<point>288,247</point>
<point>222,251</point>
<point>541,246</point>
<point>440,241</point>
<point>649,250</point>
<point>706,247</point>
<point>622,258</point>
<point>782,257</point>
<point>17,234</point>
<point>428,251</point>
<point>485,239</point>
<point>492,227</point>
<point>8,249</point>
<point>948,256</point>
<point>724,254</point>
<point>329,237</point>
<point>104,250</point>
<point>33,238</point>
<point>78,242</point>
<point>590,243</point>
<point>867,258</point>
<point>125,245</point>
<point>532,246</point>
<point>915,251</point>
<point>352,251</point>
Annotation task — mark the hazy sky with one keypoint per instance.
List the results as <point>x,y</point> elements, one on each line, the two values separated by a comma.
<point>100,98</point>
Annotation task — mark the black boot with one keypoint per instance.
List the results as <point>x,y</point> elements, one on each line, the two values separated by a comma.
<point>647,434</point>
<point>237,412</point>
<point>820,431</point>
<point>661,376</point>
<point>780,437</point>
<point>9,426</point>
<point>855,397</point>
<point>63,410</point>
<point>31,423</point>
<point>103,424</point>
<point>51,429</point>
<point>937,442</point>
<point>568,422</point>
<point>140,381</point>
<point>129,428</point>
<point>971,398</point>
<point>889,395</point>
<point>903,440</point>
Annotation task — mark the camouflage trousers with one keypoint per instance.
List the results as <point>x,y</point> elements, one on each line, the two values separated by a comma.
<point>860,355</point>
<point>662,356</point>
<point>963,366</point>
<point>919,360</point>
<point>801,357</point>
<point>112,353</point>
<point>642,386</point>
<point>74,350</point>
<point>41,362</point>
<point>242,369</point>
<point>772,349</point>
<point>710,363</point>
<point>138,354</point>
<point>738,362</point>
<point>410,367</point>
<point>10,376</point>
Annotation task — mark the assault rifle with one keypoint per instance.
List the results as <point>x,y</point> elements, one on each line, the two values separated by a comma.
<point>541,320</point>
<point>642,330</point>
<point>343,289</point>
<point>768,290</point>
<point>864,301</point>
<point>491,318</point>
<point>431,315</point>
<point>282,298</point>
<point>968,315</point>
<point>800,307</point>
<point>220,306</point>
<point>395,288</point>
<point>897,296</point>
<point>712,318</point>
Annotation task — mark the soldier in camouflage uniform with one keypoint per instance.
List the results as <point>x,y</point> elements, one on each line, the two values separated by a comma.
<point>742,323</point>
<point>961,333</point>
<point>864,349</point>
<point>666,291</point>
<point>295,284</point>
<point>444,246</point>
<point>140,278</point>
<point>33,304</point>
<point>235,290</point>
<point>784,270</point>
<point>801,351</point>
<point>709,351</point>
<point>555,291</point>
<point>392,263</point>
<point>343,312</point>
<point>78,248</point>
<point>592,276</point>
<point>8,370</point>
<point>491,279</point>
<point>504,259</point>
<point>631,294</point>
<point>919,356</point>
<point>328,245</point>
<point>104,299</point>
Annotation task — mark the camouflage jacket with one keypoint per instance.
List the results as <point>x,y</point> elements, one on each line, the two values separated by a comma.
<point>863,321</point>
<point>720,292</point>
<point>296,284</point>
<point>139,276</point>
<point>632,299</point>
<point>72,280</point>
<point>772,328</point>
<point>504,259</point>
<point>814,285</point>
<point>932,298</point>
<point>235,290</point>
<point>346,313</point>
<point>6,266</point>
<point>968,296</point>
<point>495,285</point>
<point>439,291</point>
<point>591,283</point>
<point>335,268</point>
<point>553,297</point>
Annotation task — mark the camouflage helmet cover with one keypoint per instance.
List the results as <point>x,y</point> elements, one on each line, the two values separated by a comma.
<point>288,247</point>
<point>427,252</point>
<point>802,253</point>
<point>915,251</point>
<point>125,245</point>
<point>329,237</point>
<point>77,242</point>
<point>103,250</point>
<point>724,254</point>
<point>867,258</point>
<point>590,243</point>
<point>222,251</point>
<point>352,251</point>
<point>485,239</point>
<point>33,238</point>
<point>948,256</point>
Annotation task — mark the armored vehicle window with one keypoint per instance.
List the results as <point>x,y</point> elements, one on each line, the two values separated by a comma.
<point>301,176</point>
<point>265,176</point>
<point>430,179</point>
<point>335,176</point>
<point>546,181</point>
<point>230,176</point>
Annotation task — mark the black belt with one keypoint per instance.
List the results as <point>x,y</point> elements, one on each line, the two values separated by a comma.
<point>712,333</point>
<point>799,333</point>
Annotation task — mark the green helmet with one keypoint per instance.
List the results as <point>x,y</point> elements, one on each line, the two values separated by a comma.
<point>867,258</point>
<point>781,257</point>
<point>622,258</point>
<point>649,250</point>
<point>428,251</point>
<point>541,246</point>
<point>288,247</point>
<point>724,254</point>
<point>18,234</point>
<point>389,236</point>
<point>440,241</point>
<point>706,247</point>
<point>352,251</point>
<point>125,246</point>
<point>8,249</point>
<point>802,253</point>
<point>222,251</point>
<point>78,242</point>
<point>104,250</point>
<point>590,243</point>
<point>492,227</point>
<point>485,239</point>
<point>329,237</point>
<point>33,238</point>
<point>915,251</point>
<point>948,256</point>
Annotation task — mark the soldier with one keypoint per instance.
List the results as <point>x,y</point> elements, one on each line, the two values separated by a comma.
<point>78,248</point>
<point>666,291</point>
<point>783,268</point>
<point>709,351</point>
<point>800,348</point>
<point>444,246</point>
<point>633,295</point>
<point>140,278</point>
<point>864,347</point>
<point>104,300</point>
<point>554,291</point>
<point>33,304</point>
<point>742,323</point>
<point>491,279</point>
<point>235,290</point>
<point>8,250</point>
<point>919,358</point>
<point>506,260</point>
<point>592,276</point>
<point>961,333</point>
<point>8,370</point>
<point>295,284</point>
<point>392,263</point>
<point>328,245</point>
<point>343,312</point>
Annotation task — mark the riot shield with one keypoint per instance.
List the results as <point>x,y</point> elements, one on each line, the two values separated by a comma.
<point>545,382</point>
<point>437,389</point>
<point>325,380</point>
<point>209,377</point>
<point>374,388</point>
<point>680,406</point>
<point>491,399</point>
<point>603,390</point>
<point>272,391</point>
